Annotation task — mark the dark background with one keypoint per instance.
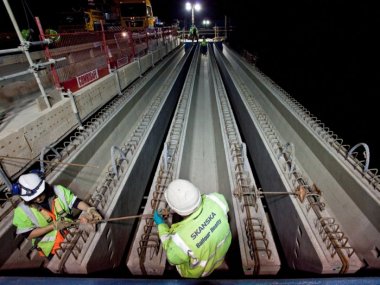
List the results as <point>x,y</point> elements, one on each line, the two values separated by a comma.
<point>324,53</point>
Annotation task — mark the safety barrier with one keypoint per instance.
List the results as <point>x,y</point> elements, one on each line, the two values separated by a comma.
<point>93,55</point>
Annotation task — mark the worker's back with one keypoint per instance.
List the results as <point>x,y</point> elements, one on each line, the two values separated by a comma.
<point>204,46</point>
<point>193,33</point>
<point>193,30</point>
<point>207,234</point>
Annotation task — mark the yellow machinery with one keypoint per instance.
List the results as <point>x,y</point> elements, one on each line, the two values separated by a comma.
<point>136,14</point>
<point>88,20</point>
<point>92,19</point>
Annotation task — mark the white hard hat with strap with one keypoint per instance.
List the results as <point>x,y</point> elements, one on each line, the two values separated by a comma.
<point>31,186</point>
<point>183,197</point>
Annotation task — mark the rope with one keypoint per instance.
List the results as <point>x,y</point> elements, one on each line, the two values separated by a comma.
<point>25,6</point>
<point>164,212</point>
<point>77,222</point>
<point>48,161</point>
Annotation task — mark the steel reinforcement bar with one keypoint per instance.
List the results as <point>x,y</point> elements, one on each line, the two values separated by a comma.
<point>106,243</point>
<point>146,256</point>
<point>257,248</point>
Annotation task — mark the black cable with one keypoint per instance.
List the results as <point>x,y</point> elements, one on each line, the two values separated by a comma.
<point>26,15</point>
<point>27,9</point>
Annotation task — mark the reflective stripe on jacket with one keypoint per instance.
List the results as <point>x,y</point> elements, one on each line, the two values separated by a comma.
<point>27,218</point>
<point>198,244</point>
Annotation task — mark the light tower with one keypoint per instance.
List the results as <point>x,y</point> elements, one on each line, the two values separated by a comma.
<point>191,7</point>
<point>205,23</point>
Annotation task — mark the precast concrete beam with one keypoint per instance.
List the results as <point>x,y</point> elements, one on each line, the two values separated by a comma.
<point>198,148</point>
<point>346,187</point>
<point>124,195</point>
<point>146,256</point>
<point>92,148</point>
<point>257,246</point>
<point>304,243</point>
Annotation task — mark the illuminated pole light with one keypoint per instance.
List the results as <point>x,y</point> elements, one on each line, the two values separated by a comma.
<point>192,7</point>
<point>205,23</point>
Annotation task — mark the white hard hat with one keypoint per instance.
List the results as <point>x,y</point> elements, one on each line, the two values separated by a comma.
<point>183,197</point>
<point>31,186</point>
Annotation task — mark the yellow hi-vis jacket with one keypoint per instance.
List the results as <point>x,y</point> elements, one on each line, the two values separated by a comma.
<point>193,31</point>
<point>27,218</point>
<point>198,244</point>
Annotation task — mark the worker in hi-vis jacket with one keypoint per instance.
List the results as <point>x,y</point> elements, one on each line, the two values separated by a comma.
<point>198,244</point>
<point>193,33</point>
<point>204,46</point>
<point>46,212</point>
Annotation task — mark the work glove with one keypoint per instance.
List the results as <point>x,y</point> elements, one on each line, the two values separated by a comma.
<point>61,225</point>
<point>158,218</point>
<point>93,214</point>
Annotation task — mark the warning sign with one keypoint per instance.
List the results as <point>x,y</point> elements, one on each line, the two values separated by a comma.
<point>87,78</point>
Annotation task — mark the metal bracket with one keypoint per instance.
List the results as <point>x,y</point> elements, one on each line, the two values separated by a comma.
<point>139,64</point>
<point>114,166</point>
<point>366,154</point>
<point>40,66</point>
<point>74,107</point>
<point>114,71</point>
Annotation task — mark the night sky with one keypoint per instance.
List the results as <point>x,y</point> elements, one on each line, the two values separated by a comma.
<point>324,53</point>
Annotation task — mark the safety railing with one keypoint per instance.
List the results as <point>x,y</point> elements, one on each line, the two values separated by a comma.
<point>77,59</point>
<point>91,55</point>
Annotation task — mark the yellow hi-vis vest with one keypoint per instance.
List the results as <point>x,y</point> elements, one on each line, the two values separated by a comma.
<point>198,244</point>
<point>193,31</point>
<point>27,218</point>
<point>52,34</point>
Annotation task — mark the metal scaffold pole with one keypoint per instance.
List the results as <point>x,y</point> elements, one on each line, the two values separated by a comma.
<point>25,47</point>
<point>225,27</point>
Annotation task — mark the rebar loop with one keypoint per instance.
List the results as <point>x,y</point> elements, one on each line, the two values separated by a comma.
<point>256,231</point>
<point>244,187</point>
<point>167,166</point>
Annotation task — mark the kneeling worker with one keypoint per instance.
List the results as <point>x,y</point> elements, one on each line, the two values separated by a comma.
<point>46,212</point>
<point>198,244</point>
